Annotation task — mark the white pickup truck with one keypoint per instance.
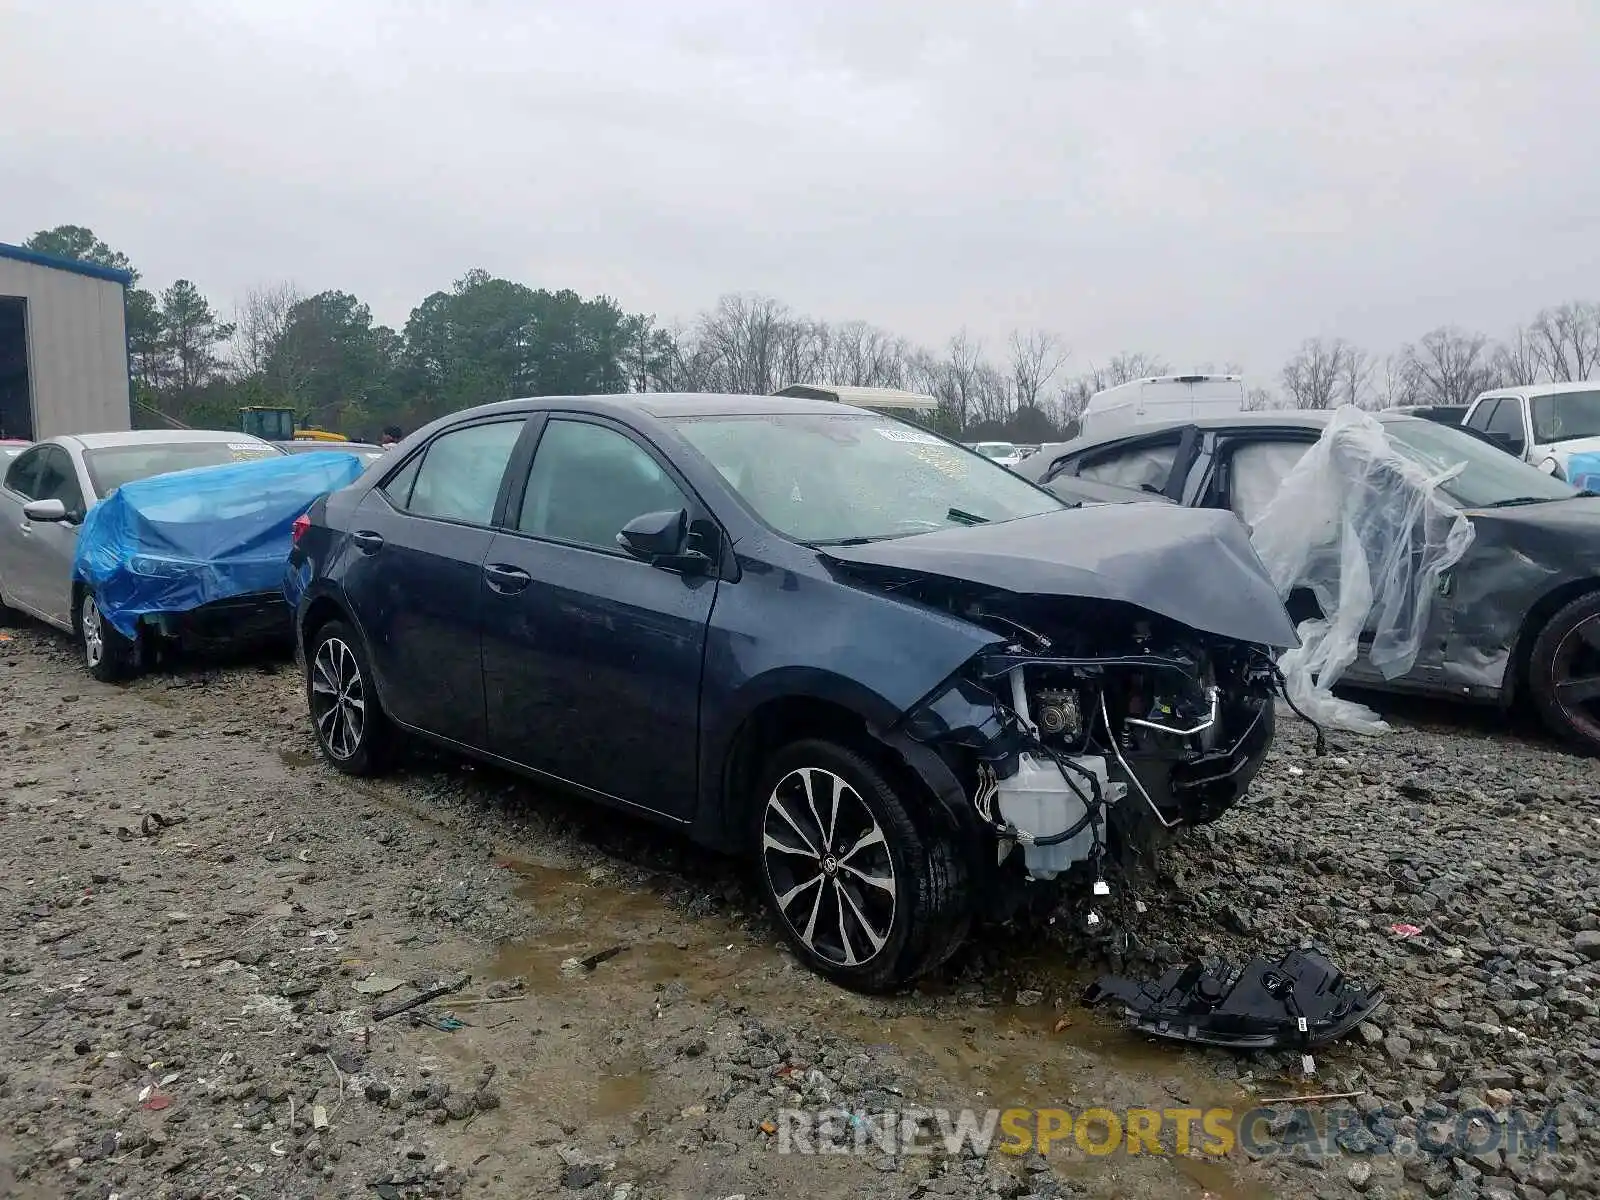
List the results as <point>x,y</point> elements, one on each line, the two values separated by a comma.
<point>1543,424</point>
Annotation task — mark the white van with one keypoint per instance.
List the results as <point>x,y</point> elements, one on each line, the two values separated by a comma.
<point>1161,398</point>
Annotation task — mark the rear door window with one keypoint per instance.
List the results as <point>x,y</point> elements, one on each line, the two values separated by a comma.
<point>23,474</point>
<point>399,486</point>
<point>459,476</point>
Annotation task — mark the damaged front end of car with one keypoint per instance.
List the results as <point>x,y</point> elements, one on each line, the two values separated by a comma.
<point>1115,720</point>
<point>1103,719</point>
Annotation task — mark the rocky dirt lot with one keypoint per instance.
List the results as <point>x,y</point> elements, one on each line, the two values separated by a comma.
<point>199,921</point>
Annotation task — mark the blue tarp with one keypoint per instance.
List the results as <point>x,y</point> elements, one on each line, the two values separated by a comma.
<point>171,543</point>
<point>1583,470</point>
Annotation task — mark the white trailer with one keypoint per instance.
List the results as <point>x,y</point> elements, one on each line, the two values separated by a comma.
<point>1161,398</point>
<point>63,346</point>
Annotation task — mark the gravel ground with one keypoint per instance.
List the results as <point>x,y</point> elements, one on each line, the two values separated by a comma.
<point>198,921</point>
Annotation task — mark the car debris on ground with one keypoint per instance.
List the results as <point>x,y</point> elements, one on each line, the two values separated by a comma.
<point>160,963</point>
<point>1301,1001</point>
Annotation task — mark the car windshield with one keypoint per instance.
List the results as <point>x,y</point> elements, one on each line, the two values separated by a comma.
<point>1564,416</point>
<point>995,449</point>
<point>826,479</point>
<point>1488,477</point>
<point>112,466</point>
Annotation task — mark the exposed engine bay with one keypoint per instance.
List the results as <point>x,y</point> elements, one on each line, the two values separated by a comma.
<point>1097,728</point>
<point>1128,691</point>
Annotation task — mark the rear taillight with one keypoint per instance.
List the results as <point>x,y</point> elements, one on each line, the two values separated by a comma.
<point>298,529</point>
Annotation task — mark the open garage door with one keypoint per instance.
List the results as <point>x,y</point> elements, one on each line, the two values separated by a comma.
<point>16,405</point>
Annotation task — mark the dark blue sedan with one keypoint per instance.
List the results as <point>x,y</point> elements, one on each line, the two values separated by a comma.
<point>899,678</point>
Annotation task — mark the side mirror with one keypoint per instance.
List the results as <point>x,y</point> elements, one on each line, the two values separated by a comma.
<point>46,510</point>
<point>661,539</point>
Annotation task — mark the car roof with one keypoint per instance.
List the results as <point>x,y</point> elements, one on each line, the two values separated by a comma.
<point>668,405</point>
<point>1287,418</point>
<point>156,437</point>
<point>693,405</point>
<point>1529,390</point>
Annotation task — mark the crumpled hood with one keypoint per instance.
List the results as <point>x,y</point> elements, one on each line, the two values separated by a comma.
<point>1195,566</point>
<point>1564,535</point>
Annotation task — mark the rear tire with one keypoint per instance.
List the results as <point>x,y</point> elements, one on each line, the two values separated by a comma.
<point>1564,673</point>
<point>351,728</point>
<point>882,900</point>
<point>107,653</point>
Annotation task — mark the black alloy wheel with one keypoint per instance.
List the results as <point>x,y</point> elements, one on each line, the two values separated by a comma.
<point>867,890</point>
<point>350,726</point>
<point>1564,672</point>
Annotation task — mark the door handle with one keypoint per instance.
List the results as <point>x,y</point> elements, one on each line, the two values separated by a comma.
<point>367,542</point>
<point>506,580</point>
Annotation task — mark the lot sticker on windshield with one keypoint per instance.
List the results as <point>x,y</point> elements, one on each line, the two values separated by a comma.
<point>914,436</point>
<point>944,459</point>
<point>244,451</point>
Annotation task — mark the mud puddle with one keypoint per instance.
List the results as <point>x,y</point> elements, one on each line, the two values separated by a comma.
<point>588,926</point>
<point>977,1056</point>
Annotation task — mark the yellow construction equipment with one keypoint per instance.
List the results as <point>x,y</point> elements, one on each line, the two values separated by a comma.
<point>280,425</point>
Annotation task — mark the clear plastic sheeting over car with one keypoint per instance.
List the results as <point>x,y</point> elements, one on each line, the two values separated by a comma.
<point>1369,533</point>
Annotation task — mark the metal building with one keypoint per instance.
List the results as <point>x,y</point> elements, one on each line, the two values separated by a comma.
<point>63,346</point>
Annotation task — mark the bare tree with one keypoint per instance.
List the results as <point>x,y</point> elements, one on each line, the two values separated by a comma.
<point>1519,360</point>
<point>746,344</point>
<point>1124,367</point>
<point>1035,359</point>
<point>1318,374</point>
<point>259,322</point>
<point>1394,382</point>
<point>1449,366</point>
<point>1258,399</point>
<point>856,354</point>
<point>995,399</point>
<point>1355,378</point>
<point>960,385</point>
<point>687,366</point>
<point>1568,340</point>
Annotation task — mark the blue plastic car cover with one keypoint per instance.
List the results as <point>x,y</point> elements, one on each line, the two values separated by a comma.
<point>170,543</point>
<point>1583,470</point>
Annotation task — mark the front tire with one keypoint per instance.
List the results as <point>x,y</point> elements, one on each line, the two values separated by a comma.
<point>107,653</point>
<point>1564,673</point>
<point>351,728</point>
<point>866,894</point>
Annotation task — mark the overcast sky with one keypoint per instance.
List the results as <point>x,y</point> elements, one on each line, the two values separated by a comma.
<point>1204,179</point>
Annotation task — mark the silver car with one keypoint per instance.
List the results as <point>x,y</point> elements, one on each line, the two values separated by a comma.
<point>49,487</point>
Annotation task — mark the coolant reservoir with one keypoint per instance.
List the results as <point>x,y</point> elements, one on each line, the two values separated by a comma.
<point>1042,800</point>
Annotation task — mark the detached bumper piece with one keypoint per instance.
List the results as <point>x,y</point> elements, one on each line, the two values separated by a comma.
<point>1299,1002</point>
